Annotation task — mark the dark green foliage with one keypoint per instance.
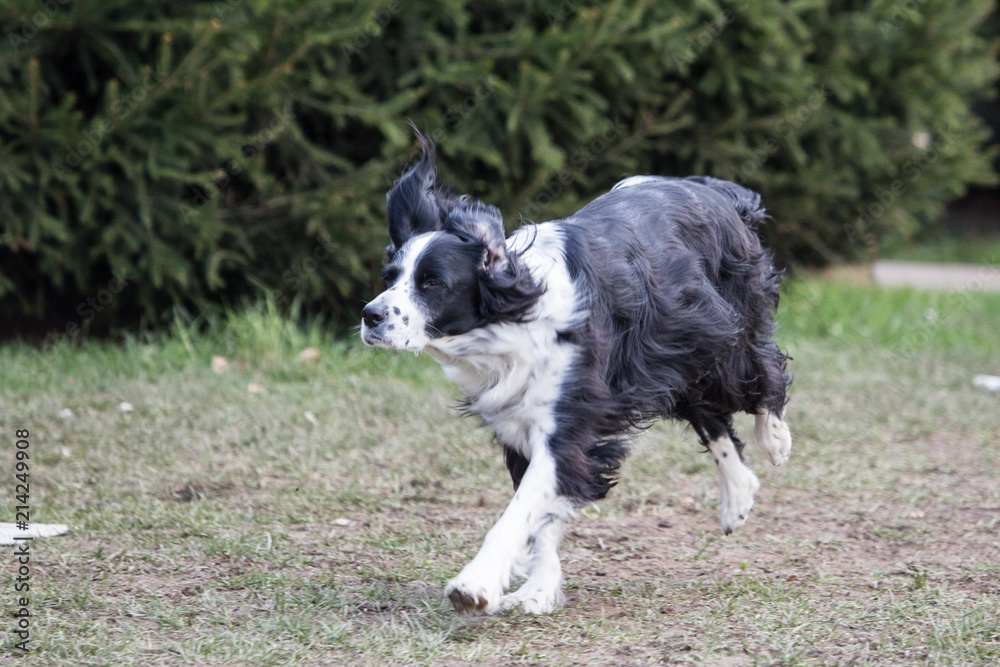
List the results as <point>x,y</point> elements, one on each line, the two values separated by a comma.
<point>191,153</point>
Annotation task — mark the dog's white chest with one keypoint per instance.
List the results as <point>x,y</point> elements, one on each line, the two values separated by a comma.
<point>515,391</point>
<point>513,374</point>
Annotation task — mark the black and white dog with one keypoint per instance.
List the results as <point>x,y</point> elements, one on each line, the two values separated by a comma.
<point>654,300</point>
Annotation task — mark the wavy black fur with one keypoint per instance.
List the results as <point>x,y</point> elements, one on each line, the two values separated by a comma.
<point>681,299</point>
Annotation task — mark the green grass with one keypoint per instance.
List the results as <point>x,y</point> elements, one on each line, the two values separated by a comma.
<point>317,521</point>
<point>903,320</point>
<point>950,249</point>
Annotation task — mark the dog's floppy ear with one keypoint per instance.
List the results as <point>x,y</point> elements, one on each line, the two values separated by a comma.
<point>482,223</point>
<point>507,290</point>
<point>412,203</point>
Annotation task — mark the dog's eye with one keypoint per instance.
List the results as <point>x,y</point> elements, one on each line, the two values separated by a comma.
<point>389,277</point>
<point>430,283</point>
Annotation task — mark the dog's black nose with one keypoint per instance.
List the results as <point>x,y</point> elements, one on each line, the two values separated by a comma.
<point>373,316</point>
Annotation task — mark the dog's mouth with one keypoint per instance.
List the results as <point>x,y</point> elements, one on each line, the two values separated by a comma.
<point>371,336</point>
<point>374,337</point>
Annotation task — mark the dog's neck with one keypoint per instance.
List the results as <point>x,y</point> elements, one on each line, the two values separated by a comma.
<point>497,359</point>
<point>511,374</point>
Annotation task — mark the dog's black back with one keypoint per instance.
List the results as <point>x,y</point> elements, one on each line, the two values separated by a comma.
<point>681,299</point>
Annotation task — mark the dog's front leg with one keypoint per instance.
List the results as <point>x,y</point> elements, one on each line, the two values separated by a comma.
<point>536,505</point>
<point>542,592</point>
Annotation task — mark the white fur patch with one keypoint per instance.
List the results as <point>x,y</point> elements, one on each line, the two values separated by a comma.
<point>513,373</point>
<point>542,592</point>
<point>636,180</point>
<point>737,484</point>
<point>535,505</point>
<point>773,437</point>
<point>405,327</point>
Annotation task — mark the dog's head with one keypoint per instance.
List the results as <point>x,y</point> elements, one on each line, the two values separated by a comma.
<point>448,269</point>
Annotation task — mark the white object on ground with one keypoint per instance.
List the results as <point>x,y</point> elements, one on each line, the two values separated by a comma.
<point>8,531</point>
<point>987,382</point>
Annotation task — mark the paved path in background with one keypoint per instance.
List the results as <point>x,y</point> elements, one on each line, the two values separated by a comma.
<point>927,275</point>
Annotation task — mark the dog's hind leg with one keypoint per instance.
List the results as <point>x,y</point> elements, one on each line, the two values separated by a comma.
<point>737,483</point>
<point>773,436</point>
<point>770,429</point>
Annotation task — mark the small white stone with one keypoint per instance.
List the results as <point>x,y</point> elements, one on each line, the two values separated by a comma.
<point>65,413</point>
<point>10,531</point>
<point>125,406</point>
<point>987,382</point>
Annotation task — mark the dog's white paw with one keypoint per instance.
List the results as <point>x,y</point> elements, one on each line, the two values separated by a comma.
<point>542,592</point>
<point>773,437</point>
<point>534,598</point>
<point>475,590</point>
<point>469,598</point>
<point>737,484</point>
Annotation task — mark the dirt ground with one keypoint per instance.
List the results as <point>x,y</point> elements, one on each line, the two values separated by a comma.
<point>845,560</point>
<point>665,555</point>
<point>244,533</point>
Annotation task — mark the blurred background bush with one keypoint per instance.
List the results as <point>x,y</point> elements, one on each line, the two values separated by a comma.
<point>188,155</point>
